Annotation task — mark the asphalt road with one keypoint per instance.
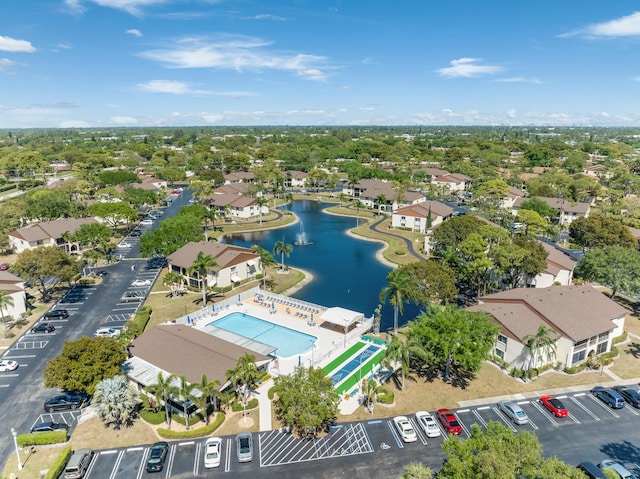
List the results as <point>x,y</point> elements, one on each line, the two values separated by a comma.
<point>373,449</point>
<point>22,391</point>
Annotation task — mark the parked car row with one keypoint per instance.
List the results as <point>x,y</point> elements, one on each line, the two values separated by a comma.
<point>597,472</point>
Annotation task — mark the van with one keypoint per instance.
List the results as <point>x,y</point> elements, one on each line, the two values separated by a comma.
<point>591,470</point>
<point>622,471</point>
<point>78,464</point>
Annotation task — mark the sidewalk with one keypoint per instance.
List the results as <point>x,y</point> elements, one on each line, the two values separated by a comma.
<point>264,405</point>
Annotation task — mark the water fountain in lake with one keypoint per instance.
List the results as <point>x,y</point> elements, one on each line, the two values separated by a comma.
<point>301,237</point>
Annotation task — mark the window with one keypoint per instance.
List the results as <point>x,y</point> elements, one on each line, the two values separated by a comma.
<point>602,347</point>
<point>603,336</point>
<point>578,356</point>
<point>580,344</point>
<point>499,353</point>
<point>502,339</point>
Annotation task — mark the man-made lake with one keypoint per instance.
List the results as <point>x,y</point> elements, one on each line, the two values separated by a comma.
<point>345,270</point>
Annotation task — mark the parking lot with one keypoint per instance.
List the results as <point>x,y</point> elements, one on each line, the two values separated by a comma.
<point>379,436</point>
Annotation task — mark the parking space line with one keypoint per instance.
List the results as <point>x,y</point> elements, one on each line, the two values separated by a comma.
<point>395,435</point>
<point>545,413</point>
<point>502,417</point>
<point>631,409</point>
<point>482,421</point>
<point>418,430</point>
<point>604,406</point>
<point>533,424</point>
<point>196,462</point>
<point>117,463</point>
<point>482,408</point>
<point>585,409</point>
<point>143,459</point>
<point>227,462</point>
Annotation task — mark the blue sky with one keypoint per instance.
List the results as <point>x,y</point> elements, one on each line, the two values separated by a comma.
<point>101,63</point>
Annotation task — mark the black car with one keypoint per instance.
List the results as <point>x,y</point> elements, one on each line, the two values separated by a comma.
<point>57,313</point>
<point>64,402</point>
<point>43,328</point>
<point>135,233</point>
<point>50,426</point>
<point>157,456</point>
<point>630,395</point>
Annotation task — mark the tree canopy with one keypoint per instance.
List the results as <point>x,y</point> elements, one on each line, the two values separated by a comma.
<point>597,231</point>
<point>306,400</point>
<point>82,364</point>
<point>454,340</point>
<point>497,451</point>
<point>616,267</point>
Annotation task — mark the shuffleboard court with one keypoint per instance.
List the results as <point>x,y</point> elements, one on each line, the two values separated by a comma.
<point>353,364</point>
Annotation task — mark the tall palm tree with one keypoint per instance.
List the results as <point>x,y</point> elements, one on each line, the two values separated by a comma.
<point>208,389</point>
<point>541,345</point>
<point>283,249</point>
<point>358,206</point>
<point>380,201</point>
<point>260,202</point>
<point>369,390</point>
<point>266,260</point>
<point>202,265</point>
<point>398,353</point>
<point>401,287</point>
<point>163,389</point>
<point>185,392</point>
<point>5,302</point>
<point>244,376</point>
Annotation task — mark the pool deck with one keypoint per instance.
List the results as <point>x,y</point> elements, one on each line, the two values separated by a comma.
<point>290,313</point>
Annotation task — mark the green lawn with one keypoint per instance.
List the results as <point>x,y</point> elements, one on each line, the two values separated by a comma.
<point>343,357</point>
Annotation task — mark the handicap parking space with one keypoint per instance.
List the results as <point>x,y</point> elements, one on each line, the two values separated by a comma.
<point>67,417</point>
<point>117,318</point>
<point>28,344</point>
<point>280,447</point>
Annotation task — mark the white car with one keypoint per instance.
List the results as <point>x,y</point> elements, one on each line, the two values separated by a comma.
<point>212,452</point>
<point>8,365</point>
<point>147,222</point>
<point>405,429</point>
<point>107,333</point>
<point>124,245</point>
<point>428,424</point>
<point>141,282</point>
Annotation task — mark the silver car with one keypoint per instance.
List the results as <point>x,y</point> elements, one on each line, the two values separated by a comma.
<point>244,443</point>
<point>513,412</point>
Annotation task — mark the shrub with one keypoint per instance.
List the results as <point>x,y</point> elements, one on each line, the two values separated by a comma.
<point>192,420</point>
<point>139,322</point>
<point>149,416</point>
<point>42,438</point>
<point>86,281</point>
<point>385,396</point>
<point>55,470</point>
<point>401,252</point>
<point>619,339</point>
<point>499,361</point>
<point>271,392</point>
<point>237,406</point>
<point>200,432</point>
<point>575,369</point>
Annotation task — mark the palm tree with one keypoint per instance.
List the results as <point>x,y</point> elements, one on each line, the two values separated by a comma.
<point>202,265</point>
<point>185,391</point>
<point>369,390</point>
<point>381,200</point>
<point>115,401</point>
<point>208,389</point>
<point>266,260</point>
<point>416,470</point>
<point>400,288</point>
<point>358,206</point>
<point>5,302</point>
<point>209,214</point>
<point>244,376</point>
<point>540,345</point>
<point>261,201</point>
<point>174,280</point>
<point>398,353</point>
<point>283,249</point>
<point>163,389</point>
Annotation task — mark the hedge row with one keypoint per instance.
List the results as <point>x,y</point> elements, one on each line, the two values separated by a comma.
<point>139,322</point>
<point>200,432</point>
<point>55,470</point>
<point>42,438</point>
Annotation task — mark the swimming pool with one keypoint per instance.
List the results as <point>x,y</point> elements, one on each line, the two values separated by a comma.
<point>288,342</point>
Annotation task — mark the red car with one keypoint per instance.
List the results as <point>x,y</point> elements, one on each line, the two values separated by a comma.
<point>449,421</point>
<point>4,266</point>
<point>554,405</point>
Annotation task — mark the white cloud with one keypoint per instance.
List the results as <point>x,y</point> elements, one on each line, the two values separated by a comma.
<point>628,26</point>
<point>74,124</point>
<point>134,31</point>
<point>468,68</point>
<point>130,6</point>
<point>239,53</point>
<point>6,63</point>
<point>518,80</point>
<point>123,120</point>
<point>168,86</point>
<point>9,44</point>
<point>512,113</point>
<point>267,16</point>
